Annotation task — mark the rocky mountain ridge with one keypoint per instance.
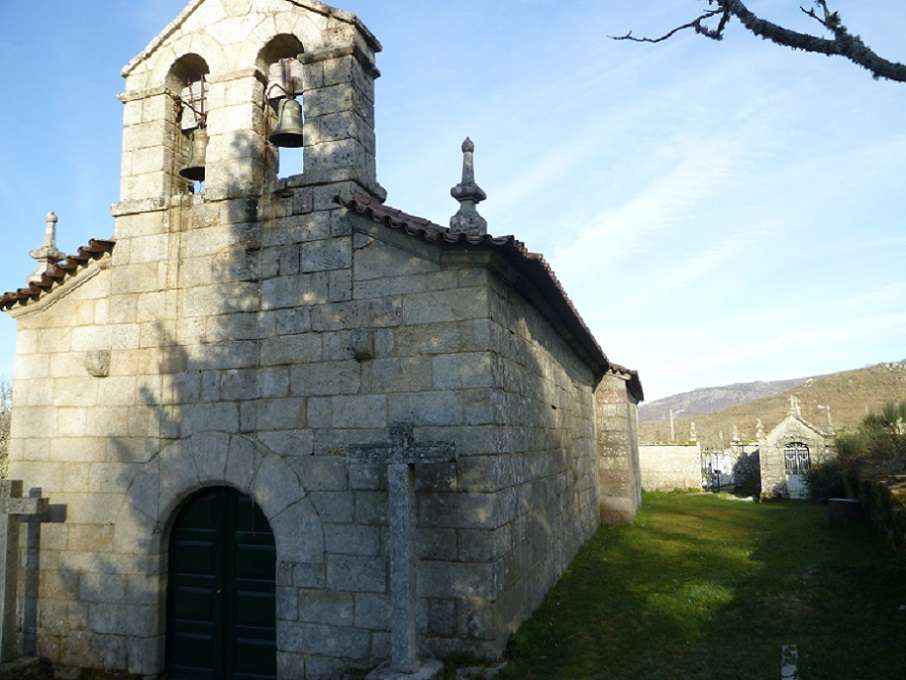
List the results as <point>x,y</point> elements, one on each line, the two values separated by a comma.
<point>708,400</point>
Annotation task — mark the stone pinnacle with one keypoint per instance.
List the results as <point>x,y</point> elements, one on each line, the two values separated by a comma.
<point>469,194</point>
<point>47,254</point>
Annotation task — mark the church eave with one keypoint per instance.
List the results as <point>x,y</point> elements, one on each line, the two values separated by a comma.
<point>58,275</point>
<point>633,382</point>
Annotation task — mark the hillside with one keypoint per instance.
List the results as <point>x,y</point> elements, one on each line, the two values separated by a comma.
<point>708,400</point>
<point>846,396</point>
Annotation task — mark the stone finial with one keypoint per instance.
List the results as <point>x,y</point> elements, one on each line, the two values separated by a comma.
<point>795,410</point>
<point>47,254</point>
<point>467,220</point>
<point>759,430</point>
<point>693,435</point>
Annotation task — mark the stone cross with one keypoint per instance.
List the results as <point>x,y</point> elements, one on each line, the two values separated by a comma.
<point>400,455</point>
<point>13,506</point>
<point>795,410</point>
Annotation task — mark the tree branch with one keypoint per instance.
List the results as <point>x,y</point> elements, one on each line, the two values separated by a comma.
<point>696,25</point>
<point>842,43</point>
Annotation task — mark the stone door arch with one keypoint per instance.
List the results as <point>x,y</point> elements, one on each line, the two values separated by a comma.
<point>206,460</point>
<point>221,592</point>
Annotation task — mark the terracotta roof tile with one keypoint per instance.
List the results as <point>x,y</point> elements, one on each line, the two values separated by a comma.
<point>532,265</point>
<point>60,273</point>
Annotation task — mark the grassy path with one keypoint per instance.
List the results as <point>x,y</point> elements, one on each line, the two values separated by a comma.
<point>708,587</point>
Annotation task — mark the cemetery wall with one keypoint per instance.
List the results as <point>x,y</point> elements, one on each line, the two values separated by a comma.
<point>666,467</point>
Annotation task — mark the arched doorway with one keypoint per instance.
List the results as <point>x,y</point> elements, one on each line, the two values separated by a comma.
<point>221,607</point>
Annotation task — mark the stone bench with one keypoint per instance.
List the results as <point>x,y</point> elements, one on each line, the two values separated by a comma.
<point>843,511</point>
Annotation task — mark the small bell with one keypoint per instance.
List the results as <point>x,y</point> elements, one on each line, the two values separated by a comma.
<point>288,132</point>
<point>198,147</point>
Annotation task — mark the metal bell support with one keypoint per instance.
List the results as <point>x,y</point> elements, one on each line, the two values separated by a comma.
<point>288,132</point>
<point>198,147</point>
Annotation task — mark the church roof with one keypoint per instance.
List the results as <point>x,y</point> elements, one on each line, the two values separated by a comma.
<point>794,423</point>
<point>530,265</point>
<point>58,275</point>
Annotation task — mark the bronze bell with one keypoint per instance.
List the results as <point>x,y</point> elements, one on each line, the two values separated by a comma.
<point>288,132</point>
<point>198,147</point>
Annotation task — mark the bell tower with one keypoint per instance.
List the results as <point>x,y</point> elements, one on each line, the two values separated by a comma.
<point>204,100</point>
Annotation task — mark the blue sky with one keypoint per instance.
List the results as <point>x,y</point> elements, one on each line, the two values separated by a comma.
<point>717,212</point>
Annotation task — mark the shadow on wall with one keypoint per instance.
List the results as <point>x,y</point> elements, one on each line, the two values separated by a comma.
<point>190,420</point>
<point>747,473</point>
<point>249,378</point>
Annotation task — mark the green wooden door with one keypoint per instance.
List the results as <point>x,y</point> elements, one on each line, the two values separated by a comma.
<point>221,613</point>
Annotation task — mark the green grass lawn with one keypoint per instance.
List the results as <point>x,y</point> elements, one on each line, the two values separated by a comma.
<point>710,587</point>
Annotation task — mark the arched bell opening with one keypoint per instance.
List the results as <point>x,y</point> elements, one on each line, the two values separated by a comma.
<point>283,92</point>
<point>221,589</point>
<point>188,78</point>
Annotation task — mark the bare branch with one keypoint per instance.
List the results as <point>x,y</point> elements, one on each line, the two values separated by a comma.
<point>696,25</point>
<point>842,43</point>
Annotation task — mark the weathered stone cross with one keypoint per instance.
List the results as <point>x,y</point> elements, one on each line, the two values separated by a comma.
<point>400,455</point>
<point>13,506</point>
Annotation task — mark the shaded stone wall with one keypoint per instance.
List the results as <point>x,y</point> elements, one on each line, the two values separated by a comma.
<point>747,468</point>
<point>619,484</point>
<point>545,460</point>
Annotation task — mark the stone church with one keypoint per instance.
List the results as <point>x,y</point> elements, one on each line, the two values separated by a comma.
<point>283,429</point>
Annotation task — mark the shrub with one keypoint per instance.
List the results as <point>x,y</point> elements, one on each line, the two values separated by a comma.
<point>826,481</point>
<point>876,448</point>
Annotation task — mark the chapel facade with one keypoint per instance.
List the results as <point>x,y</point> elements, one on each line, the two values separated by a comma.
<point>204,397</point>
<point>789,451</point>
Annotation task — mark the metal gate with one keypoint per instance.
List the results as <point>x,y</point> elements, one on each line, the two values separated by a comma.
<point>796,463</point>
<point>221,608</point>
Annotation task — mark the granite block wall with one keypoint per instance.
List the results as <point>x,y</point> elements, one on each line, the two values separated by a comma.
<point>616,436</point>
<point>248,332</point>
<point>257,367</point>
<point>666,467</point>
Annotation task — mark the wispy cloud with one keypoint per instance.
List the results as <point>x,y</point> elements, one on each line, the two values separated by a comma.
<point>696,171</point>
